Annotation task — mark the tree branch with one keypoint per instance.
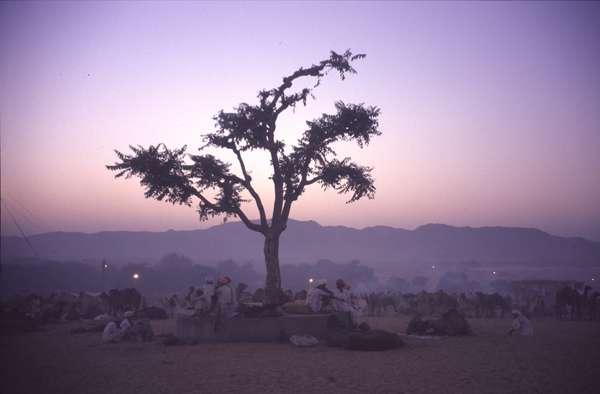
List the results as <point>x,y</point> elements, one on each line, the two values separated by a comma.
<point>252,226</point>
<point>248,185</point>
<point>313,180</point>
<point>339,62</point>
<point>345,177</point>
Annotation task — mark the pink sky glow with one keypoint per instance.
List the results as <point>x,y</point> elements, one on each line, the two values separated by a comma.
<point>490,111</point>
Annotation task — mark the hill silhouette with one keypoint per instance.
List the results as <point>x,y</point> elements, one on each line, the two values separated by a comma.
<point>307,241</point>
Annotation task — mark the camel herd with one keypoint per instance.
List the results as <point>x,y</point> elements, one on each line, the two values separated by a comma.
<point>30,312</point>
<point>436,303</point>
<point>574,305</point>
<point>33,310</point>
<point>570,304</point>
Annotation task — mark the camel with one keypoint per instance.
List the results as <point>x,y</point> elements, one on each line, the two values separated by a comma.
<point>571,304</point>
<point>594,306</point>
<point>378,303</point>
<point>121,300</point>
<point>451,323</point>
<point>487,304</point>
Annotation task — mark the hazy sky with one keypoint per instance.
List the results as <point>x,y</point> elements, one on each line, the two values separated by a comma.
<point>490,111</point>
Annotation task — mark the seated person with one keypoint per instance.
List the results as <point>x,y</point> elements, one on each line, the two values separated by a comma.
<point>521,325</point>
<point>319,297</point>
<point>114,333</point>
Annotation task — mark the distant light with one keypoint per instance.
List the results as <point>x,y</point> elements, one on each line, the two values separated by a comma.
<point>433,267</point>
<point>311,280</point>
<point>493,272</point>
<point>105,265</point>
<point>136,276</point>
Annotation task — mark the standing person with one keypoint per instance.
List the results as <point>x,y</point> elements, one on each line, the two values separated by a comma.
<point>521,325</point>
<point>206,301</point>
<point>189,298</point>
<point>225,298</point>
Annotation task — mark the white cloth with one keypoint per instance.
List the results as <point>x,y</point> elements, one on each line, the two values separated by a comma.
<point>343,303</point>
<point>125,325</point>
<point>343,300</point>
<point>111,333</point>
<point>226,300</point>
<point>522,326</point>
<point>314,299</point>
<point>303,340</point>
<point>225,295</point>
<point>203,302</point>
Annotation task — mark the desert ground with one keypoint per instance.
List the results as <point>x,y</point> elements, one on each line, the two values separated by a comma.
<point>562,357</point>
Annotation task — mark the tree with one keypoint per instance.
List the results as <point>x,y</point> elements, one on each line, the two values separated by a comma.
<point>174,261</point>
<point>166,175</point>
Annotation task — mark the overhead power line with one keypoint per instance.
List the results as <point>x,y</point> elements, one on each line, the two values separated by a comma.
<point>19,227</point>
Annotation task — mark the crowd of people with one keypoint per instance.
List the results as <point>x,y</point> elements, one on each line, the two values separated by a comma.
<point>212,297</point>
<point>130,328</point>
<point>221,299</point>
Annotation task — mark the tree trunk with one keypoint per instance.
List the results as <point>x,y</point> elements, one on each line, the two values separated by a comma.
<point>273,283</point>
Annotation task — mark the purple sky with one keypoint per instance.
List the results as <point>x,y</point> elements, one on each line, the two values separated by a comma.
<point>490,111</point>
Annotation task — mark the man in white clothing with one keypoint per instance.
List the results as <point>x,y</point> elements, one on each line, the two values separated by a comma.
<point>226,301</point>
<point>317,294</point>
<point>204,303</point>
<point>521,325</point>
<point>342,301</point>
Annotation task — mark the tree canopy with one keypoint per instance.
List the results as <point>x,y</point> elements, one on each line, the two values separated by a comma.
<point>177,177</point>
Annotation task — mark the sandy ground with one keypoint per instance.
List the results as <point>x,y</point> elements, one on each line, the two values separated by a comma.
<point>563,357</point>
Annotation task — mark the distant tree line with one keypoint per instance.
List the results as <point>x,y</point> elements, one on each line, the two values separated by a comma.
<point>176,273</point>
<point>172,273</point>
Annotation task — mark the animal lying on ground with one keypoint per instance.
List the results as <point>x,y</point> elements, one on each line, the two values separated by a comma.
<point>153,313</point>
<point>451,323</point>
<point>365,339</point>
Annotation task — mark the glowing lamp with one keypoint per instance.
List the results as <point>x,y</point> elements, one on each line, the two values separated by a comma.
<point>136,276</point>
<point>493,272</point>
<point>311,280</point>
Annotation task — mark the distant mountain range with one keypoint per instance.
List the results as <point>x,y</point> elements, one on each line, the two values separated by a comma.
<point>307,241</point>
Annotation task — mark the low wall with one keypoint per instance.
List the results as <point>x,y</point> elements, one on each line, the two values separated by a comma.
<point>266,329</point>
<point>191,329</point>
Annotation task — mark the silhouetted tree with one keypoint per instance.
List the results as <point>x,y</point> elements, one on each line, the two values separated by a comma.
<point>174,261</point>
<point>167,176</point>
